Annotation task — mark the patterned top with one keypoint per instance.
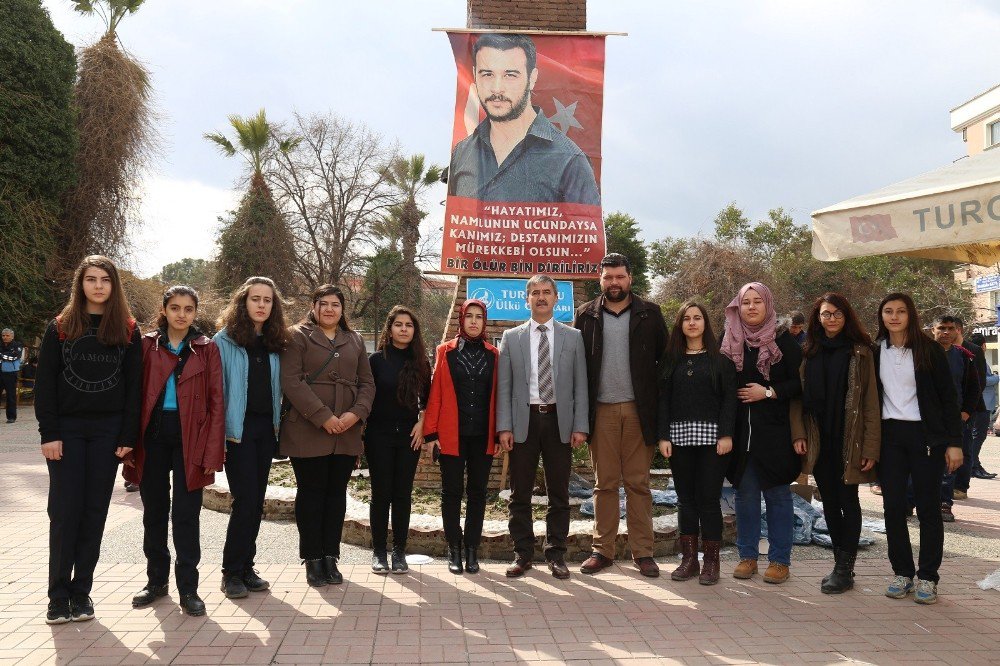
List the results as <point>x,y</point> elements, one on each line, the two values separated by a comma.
<point>694,433</point>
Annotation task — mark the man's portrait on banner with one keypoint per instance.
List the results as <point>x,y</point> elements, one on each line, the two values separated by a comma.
<point>516,153</point>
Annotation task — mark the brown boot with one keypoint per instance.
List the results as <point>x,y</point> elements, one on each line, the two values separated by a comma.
<point>745,569</point>
<point>688,569</point>
<point>710,567</point>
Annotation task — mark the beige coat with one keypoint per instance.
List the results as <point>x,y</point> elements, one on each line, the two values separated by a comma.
<point>862,420</point>
<point>345,385</point>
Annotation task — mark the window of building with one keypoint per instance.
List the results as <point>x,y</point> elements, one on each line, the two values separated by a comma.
<point>994,129</point>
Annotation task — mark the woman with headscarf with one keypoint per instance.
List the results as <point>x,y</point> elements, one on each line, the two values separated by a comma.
<point>764,463</point>
<point>464,430</point>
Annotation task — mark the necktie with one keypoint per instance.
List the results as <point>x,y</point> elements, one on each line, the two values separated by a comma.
<point>546,391</point>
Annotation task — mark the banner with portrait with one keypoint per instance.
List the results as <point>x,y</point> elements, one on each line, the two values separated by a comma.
<point>524,177</point>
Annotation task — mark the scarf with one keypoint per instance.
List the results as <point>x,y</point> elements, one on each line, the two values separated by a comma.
<point>759,337</point>
<point>461,322</point>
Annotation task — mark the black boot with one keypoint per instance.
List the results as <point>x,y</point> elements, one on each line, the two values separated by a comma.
<point>836,559</point>
<point>472,559</point>
<point>842,578</point>
<point>399,564</point>
<point>315,573</point>
<point>333,575</point>
<point>380,562</point>
<point>455,558</point>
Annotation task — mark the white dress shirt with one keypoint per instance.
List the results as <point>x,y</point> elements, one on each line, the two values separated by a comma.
<point>899,384</point>
<point>534,338</point>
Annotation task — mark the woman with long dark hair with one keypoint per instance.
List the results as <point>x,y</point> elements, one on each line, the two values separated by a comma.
<point>252,335</point>
<point>326,376</point>
<point>843,425</point>
<point>696,422</point>
<point>394,434</point>
<point>764,461</point>
<point>465,430</point>
<point>921,436</point>
<point>87,395</point>
<point>181,434</point>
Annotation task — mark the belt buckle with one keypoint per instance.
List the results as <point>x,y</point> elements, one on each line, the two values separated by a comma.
<point>543,409</point>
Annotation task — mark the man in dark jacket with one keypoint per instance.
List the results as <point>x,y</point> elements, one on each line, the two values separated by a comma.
<point>970,394</point>
<point>623,337</point>
<point>980,419</point>
<point>11,352</point>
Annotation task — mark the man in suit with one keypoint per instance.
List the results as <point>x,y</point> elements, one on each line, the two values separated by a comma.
<point>542,410</point>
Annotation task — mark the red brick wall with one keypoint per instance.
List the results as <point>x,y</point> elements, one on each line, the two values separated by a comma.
<point>527,14</point>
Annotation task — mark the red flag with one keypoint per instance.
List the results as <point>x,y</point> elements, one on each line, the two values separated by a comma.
<point>868,228</point>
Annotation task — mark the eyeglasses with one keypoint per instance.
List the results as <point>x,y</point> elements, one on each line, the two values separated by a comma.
<point>827,316</point>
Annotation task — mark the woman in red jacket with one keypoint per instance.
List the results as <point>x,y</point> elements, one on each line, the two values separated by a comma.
<point>182,431</point>
<point>465,430</point>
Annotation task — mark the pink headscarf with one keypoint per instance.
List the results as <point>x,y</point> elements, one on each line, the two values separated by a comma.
<point>759,337</point>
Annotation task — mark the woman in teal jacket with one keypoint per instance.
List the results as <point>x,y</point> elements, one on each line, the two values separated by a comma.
<point>252,333</point>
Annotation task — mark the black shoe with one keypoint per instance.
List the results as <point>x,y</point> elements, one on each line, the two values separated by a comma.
<point>472,559</point>
<point>316,573</point>
<point>455,559</point>
<point>836,561</point>
<point>148,595</point>
<point>58,612</point>
<point>380,562</point>
<point>253,582</point>
<point>399,565</point>
<point>81,608</point>
<point>842,578</point>
<point>333,575</point>
<point>233,586</point>
<point>131,487</point>
<point>11,420</point>
<point>192,604</point>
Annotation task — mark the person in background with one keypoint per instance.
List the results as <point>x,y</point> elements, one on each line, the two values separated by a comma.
<point>11,354</point>
<point>461,419</point>
<point>394,434</point>
<point>181,434</point>
<point>980,420</point>
<point>696,423</point>
<point>251,337</point>
<point>797,326</point>
<point>765,461</point>
<point>326,376</point>
<point>843,425</point>
<point>87,402</point>
<point>990,402</point>
<point>921,437</point>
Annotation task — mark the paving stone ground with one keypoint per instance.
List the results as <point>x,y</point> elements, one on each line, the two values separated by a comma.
<point>431,616</point>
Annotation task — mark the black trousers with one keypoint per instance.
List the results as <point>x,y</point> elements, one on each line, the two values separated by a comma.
<point>248,463</point>
<point>321,503</point>
<point>698,472</point>
<point>841,506</point>
<point>904,455</point>
<point>392,464</point>
<point>165,454</point>
<point>557,458</point>
<point>80,486</point>
<point>473,461</point>
<point>8,385</point>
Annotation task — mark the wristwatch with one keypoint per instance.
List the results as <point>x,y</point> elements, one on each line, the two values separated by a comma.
<point>768,393</point>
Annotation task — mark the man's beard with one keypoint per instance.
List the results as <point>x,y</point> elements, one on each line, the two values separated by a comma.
<point>515,111</point>
<point>622,295</point>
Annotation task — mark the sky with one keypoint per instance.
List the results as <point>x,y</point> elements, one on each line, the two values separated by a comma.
<point>766,103</point>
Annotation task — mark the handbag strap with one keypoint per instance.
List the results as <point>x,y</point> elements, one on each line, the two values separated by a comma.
<point>311,378</point>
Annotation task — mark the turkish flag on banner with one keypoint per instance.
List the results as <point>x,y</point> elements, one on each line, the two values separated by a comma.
<point>569,90</point>
<point>868,228</point>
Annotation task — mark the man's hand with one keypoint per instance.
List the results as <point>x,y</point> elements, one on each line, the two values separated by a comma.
<point>801,446</point>
<point>506,440</point>
<point>953,458</point>
<point>666,448</point>
<point>52,450</point>
<point>578,439</point>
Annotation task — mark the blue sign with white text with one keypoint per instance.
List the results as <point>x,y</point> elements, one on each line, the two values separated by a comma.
<point>505,299</point>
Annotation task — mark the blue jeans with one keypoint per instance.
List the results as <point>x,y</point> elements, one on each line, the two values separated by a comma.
<point>780,517</point>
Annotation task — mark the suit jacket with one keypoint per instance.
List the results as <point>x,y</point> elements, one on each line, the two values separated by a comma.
<point>569,375</point>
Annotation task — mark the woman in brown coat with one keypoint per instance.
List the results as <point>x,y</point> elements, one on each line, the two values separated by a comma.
<point>843,425</point>
<point>326,378</point>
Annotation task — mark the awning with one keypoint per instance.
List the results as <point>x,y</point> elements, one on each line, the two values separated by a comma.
<point>951,213</point>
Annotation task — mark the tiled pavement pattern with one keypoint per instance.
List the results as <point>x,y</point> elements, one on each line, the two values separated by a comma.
<point>431,616</point>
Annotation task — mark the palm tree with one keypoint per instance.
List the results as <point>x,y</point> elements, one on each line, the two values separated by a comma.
<point>411,176</point>
<point>255,240</point>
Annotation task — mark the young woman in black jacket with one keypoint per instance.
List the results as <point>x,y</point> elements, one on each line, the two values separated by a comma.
<point>696,421</point>
<point>921,436</point>
<point>87,398</point>
<point>394,433</point>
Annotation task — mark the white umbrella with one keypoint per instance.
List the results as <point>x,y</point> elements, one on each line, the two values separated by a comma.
<point>950,213</point>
